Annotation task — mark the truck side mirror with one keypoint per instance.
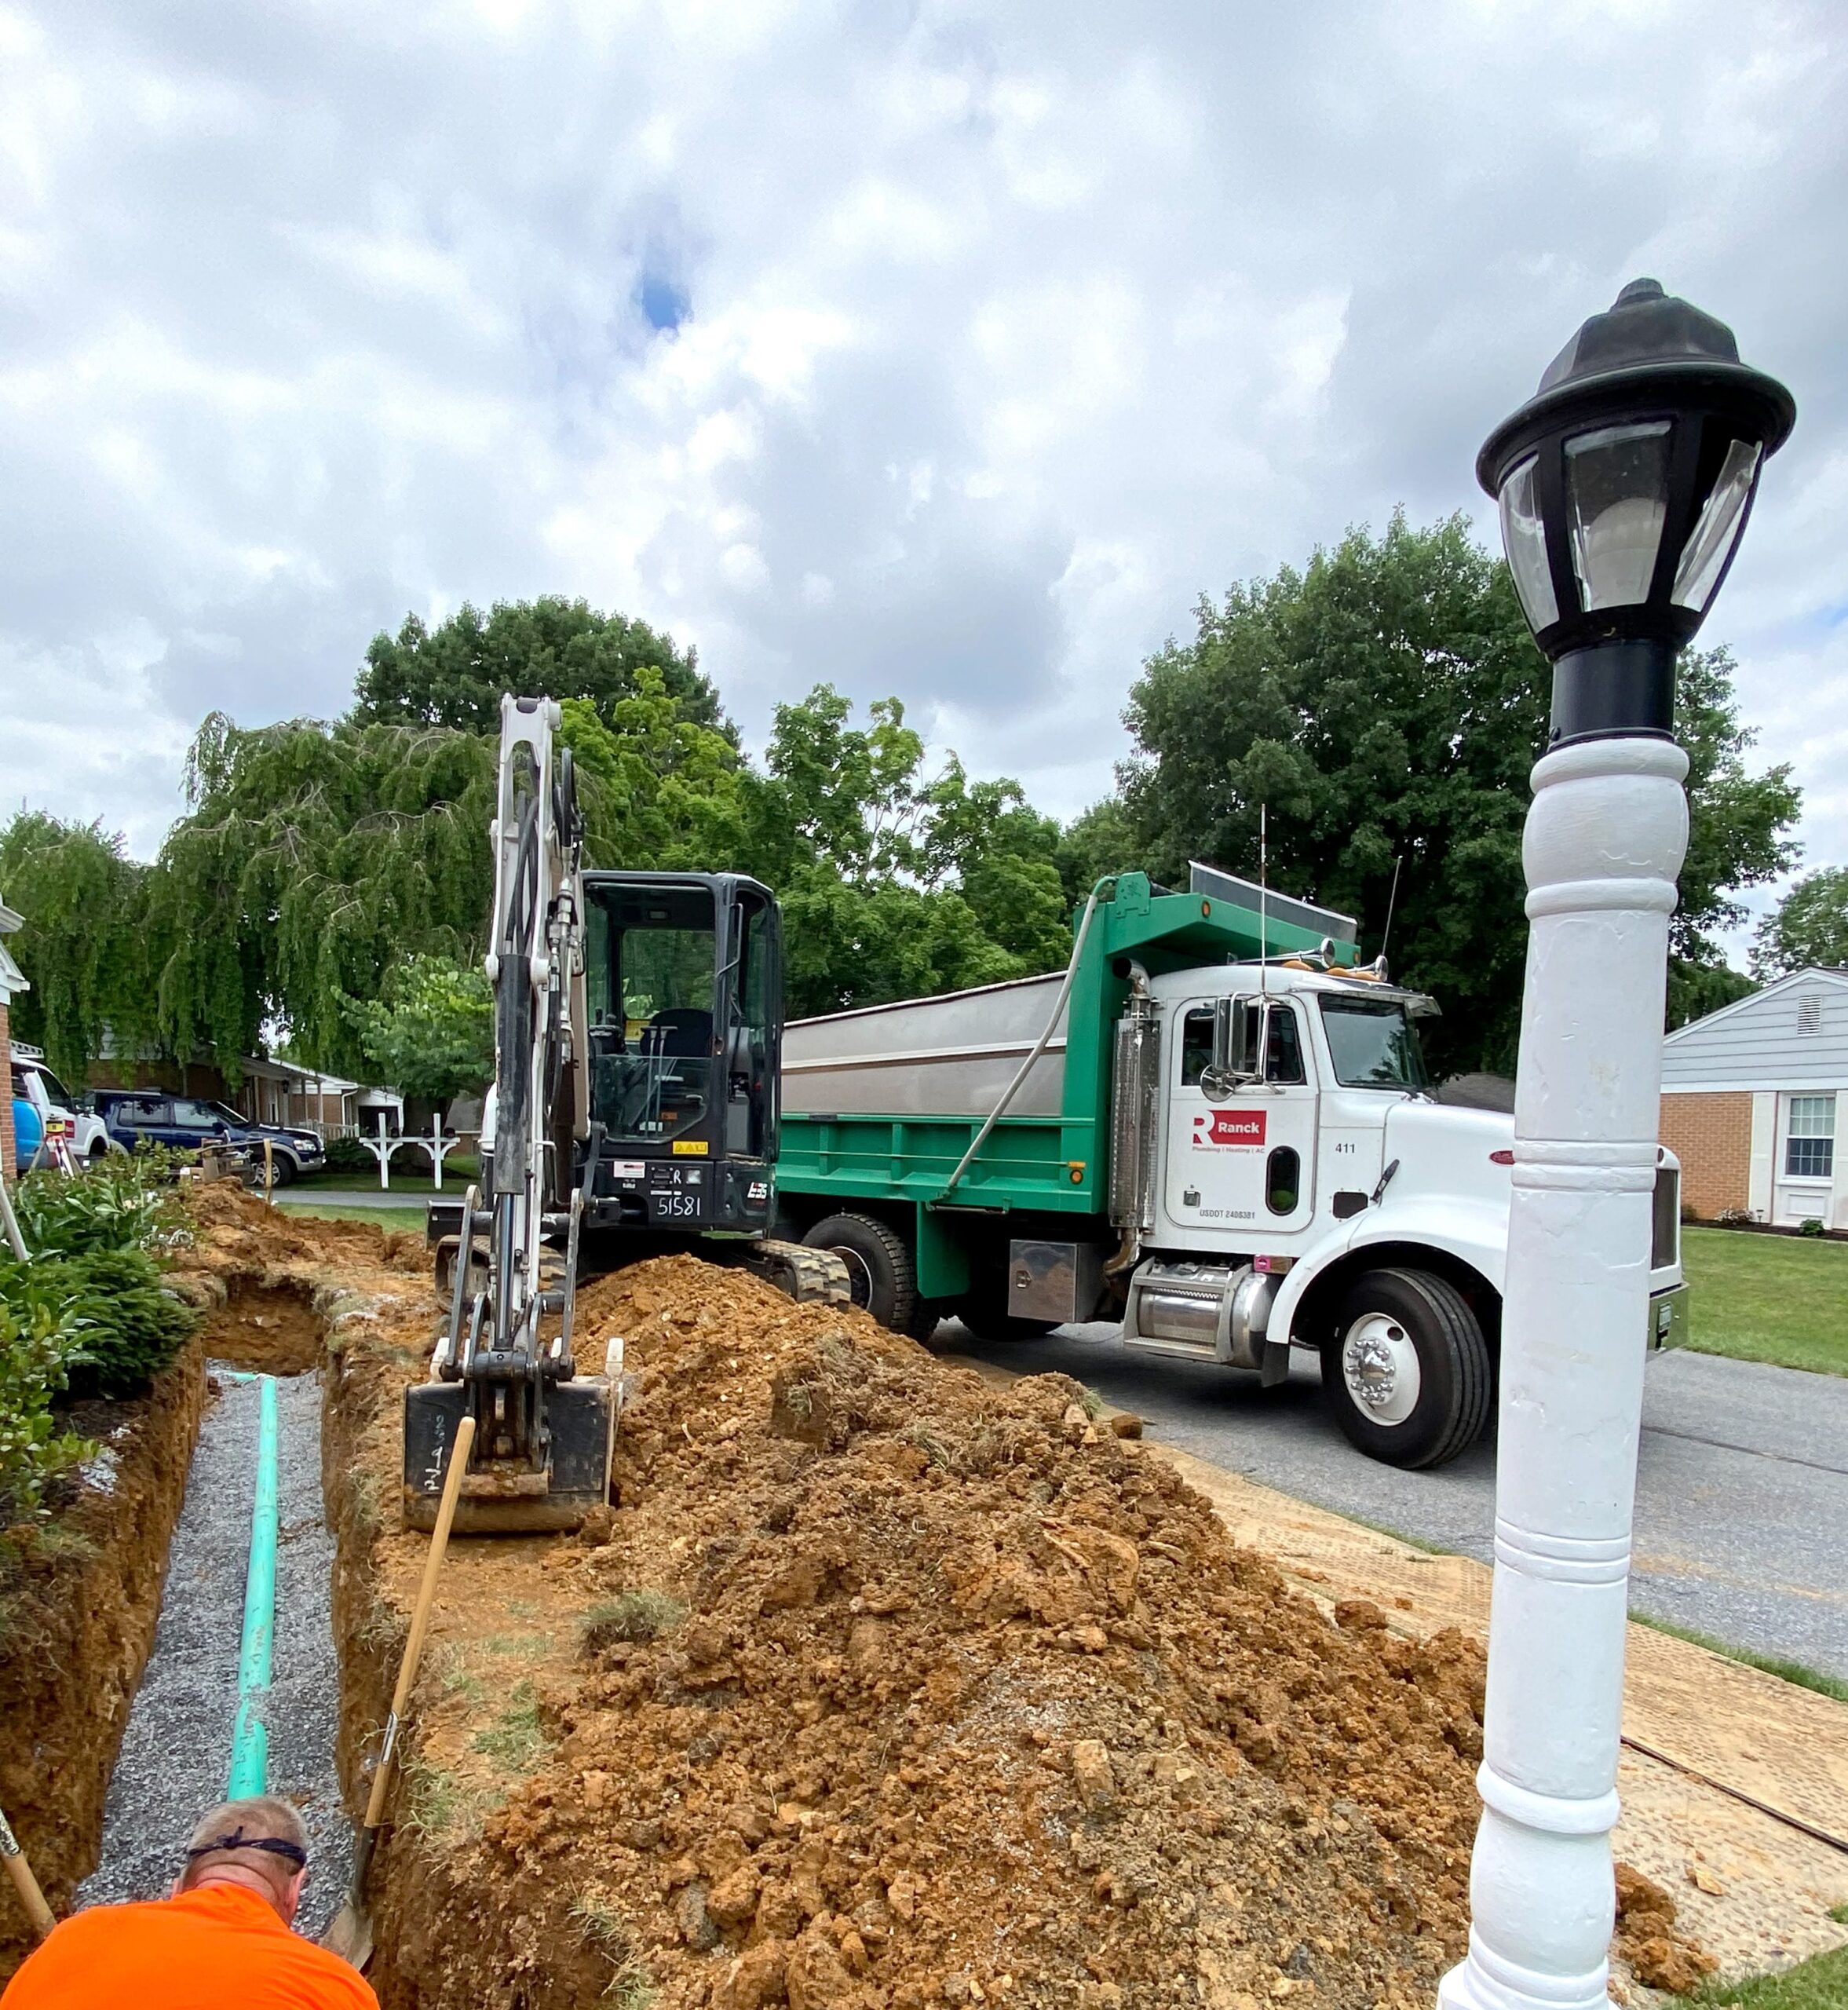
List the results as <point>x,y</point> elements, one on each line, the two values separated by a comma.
<point>1234,1042</point>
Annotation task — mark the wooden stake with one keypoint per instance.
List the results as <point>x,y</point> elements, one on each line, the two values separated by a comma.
<point>43,1918</point>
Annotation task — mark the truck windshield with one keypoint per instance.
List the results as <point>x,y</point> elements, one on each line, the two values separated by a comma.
<point>1373,1044</point>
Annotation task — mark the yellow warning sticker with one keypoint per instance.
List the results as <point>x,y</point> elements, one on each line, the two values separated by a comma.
<point>689,1148</point>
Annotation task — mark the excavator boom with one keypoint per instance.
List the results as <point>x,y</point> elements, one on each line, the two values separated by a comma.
<point>543,1431</point>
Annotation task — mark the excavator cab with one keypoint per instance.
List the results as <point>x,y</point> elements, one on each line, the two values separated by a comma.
<point>683,986</point>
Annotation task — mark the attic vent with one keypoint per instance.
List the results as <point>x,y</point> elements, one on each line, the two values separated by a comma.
<point>1810,1013</point>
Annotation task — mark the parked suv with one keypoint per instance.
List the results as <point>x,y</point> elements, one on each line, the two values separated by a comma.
<point>154,1116</point>
<point>35,1083</point>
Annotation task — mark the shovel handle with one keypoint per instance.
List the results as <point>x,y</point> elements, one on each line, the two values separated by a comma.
<point>420,1616</point>
<point>43,1918</point>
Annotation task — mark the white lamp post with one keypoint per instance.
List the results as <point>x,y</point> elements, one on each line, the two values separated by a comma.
<point>1624,484</point>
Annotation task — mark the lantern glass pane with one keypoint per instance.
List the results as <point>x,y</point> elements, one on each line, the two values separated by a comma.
<point>1617,482</point>
<point>1710,544</point>
<point>1524,539</point>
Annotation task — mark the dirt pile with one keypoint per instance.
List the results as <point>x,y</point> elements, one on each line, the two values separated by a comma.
<point>1648,1941</point>
<point>881,1687</point>
<point>240,1242</point>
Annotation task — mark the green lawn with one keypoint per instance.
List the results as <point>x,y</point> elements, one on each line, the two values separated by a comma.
<point>1782,1298</point>
<point>458,1169</point>
<point>394,1218</point>
<point>1820,1984</point>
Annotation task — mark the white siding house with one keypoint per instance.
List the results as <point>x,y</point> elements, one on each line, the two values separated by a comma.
<point>1750,1097</point>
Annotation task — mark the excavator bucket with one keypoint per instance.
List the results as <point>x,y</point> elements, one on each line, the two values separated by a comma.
<point>509,1499</point>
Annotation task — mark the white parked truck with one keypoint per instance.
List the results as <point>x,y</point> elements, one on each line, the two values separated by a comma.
<point>1213,1126</point>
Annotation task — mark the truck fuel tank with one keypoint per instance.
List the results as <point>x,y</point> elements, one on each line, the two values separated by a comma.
<point>1207,1311</point>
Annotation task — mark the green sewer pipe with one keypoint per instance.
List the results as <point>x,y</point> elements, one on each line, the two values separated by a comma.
<point>250,1737</point>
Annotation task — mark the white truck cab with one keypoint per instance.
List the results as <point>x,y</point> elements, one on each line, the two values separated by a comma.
<point>33,1079</point>
<point>1302,1187</point>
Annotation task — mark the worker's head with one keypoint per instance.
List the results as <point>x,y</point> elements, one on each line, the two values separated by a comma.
<point>259,1844</point>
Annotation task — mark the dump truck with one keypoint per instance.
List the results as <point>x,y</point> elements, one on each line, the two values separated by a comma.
<point>1215,1125</point>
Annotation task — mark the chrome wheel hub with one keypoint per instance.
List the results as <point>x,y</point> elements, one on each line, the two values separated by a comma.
<point>1379,1365</point>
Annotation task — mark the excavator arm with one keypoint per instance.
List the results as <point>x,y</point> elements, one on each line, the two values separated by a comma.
<point>543,1431</point>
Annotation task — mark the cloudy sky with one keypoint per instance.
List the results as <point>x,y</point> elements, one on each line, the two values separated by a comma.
<point>944,350</point>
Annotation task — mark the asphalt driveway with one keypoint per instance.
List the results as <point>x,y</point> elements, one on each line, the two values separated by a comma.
<point>1742,1485</point>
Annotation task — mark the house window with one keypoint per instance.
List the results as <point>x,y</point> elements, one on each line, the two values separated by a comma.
<point>1810,1143</point>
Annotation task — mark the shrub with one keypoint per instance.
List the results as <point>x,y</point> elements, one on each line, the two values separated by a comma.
<point>34,1343</point>
<point>349,1155</point>
<point>122,1325</point>
<point>1811,1226</point>
<point>119,1203</point>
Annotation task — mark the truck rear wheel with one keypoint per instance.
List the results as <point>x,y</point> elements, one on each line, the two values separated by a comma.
<point>1407,1370</point>
<point>880,1272</point>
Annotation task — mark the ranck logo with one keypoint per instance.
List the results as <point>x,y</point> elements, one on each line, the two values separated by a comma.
<point>1239,1128</point>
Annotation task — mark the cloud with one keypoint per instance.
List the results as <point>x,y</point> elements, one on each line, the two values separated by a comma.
<point>934,348</point>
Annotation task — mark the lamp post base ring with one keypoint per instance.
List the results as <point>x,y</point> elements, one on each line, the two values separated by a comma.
<point>1485,1980</point>
<point>1551,1814</point>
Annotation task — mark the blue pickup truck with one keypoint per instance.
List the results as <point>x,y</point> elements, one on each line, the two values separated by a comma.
<point>153,1116</point>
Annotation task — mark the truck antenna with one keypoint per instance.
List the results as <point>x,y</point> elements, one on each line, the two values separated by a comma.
<point>1386,935</point>
<point>1263,897</point>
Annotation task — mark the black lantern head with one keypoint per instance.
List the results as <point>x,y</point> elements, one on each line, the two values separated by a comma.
<point>1624,484</point>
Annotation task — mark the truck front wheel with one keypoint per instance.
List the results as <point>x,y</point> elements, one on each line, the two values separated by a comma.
<point>1407,1370</point>
<point>880,1271</point>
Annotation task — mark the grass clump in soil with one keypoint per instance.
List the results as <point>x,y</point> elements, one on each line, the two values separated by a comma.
<point>631,1986</point>
<point>633,1616</point>
<point>1769,1297</point>
<point>1786,1671</point>
<point>441,1806</point>
<point>516,1738</point>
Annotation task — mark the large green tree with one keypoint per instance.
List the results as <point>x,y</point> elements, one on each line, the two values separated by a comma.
<point>454,674</point>
<point>1386,702</point>
<point>895,882</point>
<point>84,948</point>
<point>1808,926</point>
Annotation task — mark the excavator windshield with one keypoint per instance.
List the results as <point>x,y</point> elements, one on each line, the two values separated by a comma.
<point>682,991</point>
<point>650,962</point>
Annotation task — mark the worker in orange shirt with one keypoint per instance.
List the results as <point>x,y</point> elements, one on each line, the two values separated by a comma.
<point>223,1936</point>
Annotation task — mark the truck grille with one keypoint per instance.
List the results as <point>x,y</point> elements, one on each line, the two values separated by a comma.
<point>1665,1242</point>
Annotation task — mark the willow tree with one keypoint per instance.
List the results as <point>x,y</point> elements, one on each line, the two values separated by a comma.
<point>84,948</point>
<point>315,858</point>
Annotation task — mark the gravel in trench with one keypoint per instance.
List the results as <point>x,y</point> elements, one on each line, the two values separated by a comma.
<point>176,1752</point>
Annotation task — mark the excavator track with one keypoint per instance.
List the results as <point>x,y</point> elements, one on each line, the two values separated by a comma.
<point>811,1277</point>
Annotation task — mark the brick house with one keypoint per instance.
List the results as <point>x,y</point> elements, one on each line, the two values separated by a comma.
<point>11,981</point>
<point>1749,1100</point>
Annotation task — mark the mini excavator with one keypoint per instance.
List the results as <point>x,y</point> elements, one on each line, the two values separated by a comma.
<point>637,1036</point>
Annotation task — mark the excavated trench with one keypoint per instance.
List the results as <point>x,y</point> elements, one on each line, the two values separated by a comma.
<point>118,1652</point>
